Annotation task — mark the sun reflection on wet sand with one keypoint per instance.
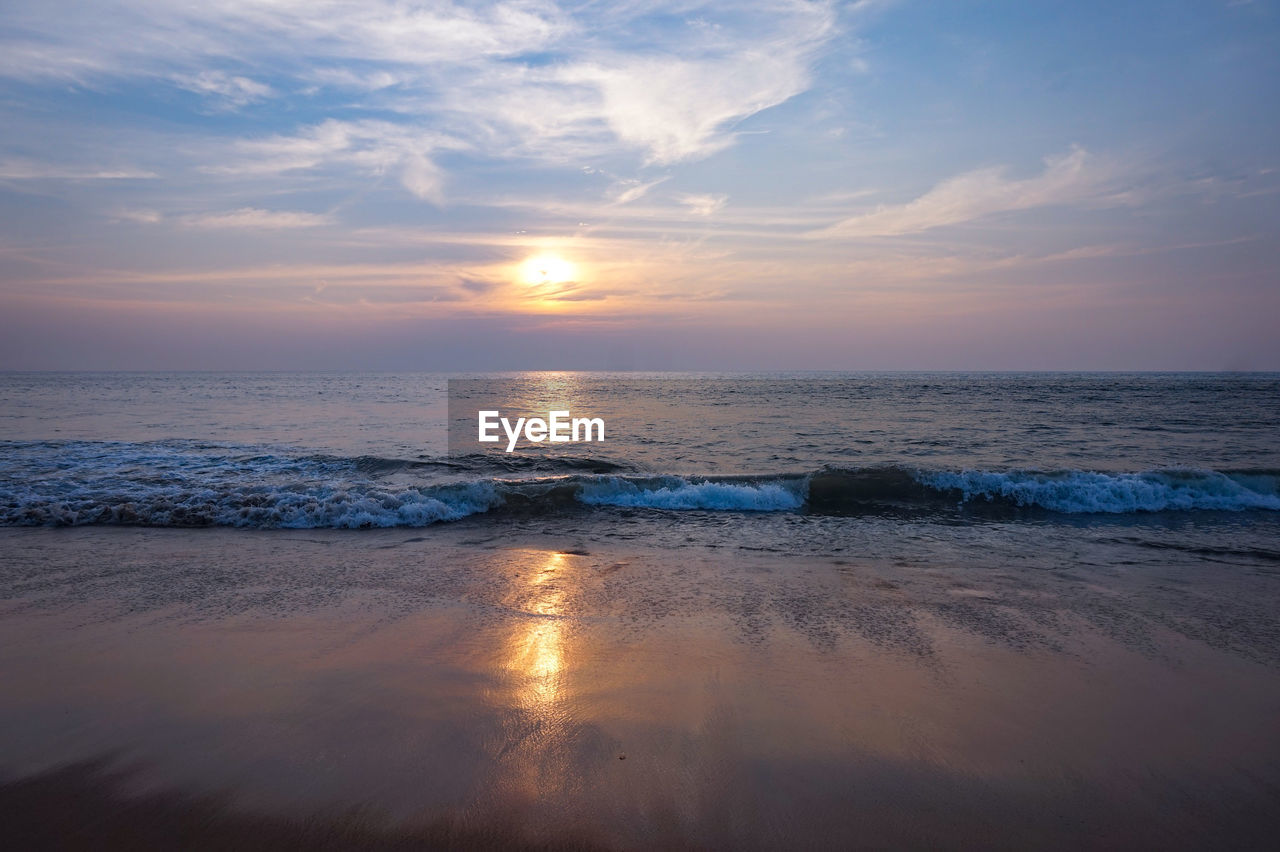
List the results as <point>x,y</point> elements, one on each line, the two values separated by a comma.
<point>532,751</point>
<point>536,654</point>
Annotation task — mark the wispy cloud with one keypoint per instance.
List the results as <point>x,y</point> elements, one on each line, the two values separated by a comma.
<point>973,195</point>
<point>151,36</point>
<point>139,216</point>
<point>228,89</point>
<point>675,110</point>
<point>22,169</point>
<point>372,147</point>
<point>667,79</point>
<point>253,217</point>
<point>703,205</point>
<point>626,191</point>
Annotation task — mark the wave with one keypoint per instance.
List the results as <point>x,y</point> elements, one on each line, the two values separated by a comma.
<point>1076,491</point>
<point>303,508</point>
<point>681,493</point>
<point>1063,491</point>
<point>185,484</point>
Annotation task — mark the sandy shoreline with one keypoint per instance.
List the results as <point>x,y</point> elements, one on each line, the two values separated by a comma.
<point>546,690</point>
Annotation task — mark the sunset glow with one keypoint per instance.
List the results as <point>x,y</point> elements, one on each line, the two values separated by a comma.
<point>547,269</point>
<point>762,185</point>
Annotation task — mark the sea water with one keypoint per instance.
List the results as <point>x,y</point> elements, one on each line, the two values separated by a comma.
<point>1046,467</point>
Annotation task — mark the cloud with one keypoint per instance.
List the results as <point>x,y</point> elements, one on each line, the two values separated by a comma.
<point>23,169</point>
<point>676,110</point>
<point>372,147</point>
<point>67,39</point>
<point>421,177</point>
<point>1066,179</point>
<point>478,286</point>
<point>626,191</point>
<point>703,205</point>
<point>232,90</point>
<point>141,217</point>
<point>681,101</point>
<point>306,149</point>
<point>667,79</point>
<point>253,217</point>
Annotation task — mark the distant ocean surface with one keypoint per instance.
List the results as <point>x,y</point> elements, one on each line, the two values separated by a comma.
<point>812,462</point>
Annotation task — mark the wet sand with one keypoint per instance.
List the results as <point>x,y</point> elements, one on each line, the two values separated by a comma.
<point>225,688</point>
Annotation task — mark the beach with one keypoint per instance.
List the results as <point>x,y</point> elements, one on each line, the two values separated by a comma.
<point>639,426</point>
<point>768,611</point>
<point>549,687</point>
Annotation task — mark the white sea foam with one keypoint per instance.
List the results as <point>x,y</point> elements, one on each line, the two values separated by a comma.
<point>677,493</point>
<point>191,484</point>
<point>263,508</point>
<point>1085,491</point>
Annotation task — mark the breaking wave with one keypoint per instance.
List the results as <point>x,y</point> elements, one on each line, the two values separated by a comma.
<point>188,484</point>
<point>675,492</point>
<point>1078,491</point>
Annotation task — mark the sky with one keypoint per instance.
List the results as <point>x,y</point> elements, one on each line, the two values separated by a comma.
<point>642,184</point>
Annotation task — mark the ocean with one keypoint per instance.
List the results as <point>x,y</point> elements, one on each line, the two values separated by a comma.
<point>816,462</point>
<point>828,610</point>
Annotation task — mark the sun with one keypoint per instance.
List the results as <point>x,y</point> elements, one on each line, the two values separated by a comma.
<point>547,269</point>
